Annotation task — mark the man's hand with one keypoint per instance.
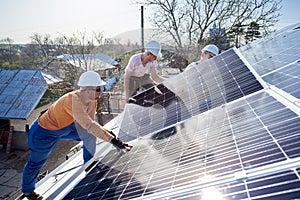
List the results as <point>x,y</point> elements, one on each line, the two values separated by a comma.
<point>123,147</point>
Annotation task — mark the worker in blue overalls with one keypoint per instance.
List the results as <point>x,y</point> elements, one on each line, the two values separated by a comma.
<point>71,117</point>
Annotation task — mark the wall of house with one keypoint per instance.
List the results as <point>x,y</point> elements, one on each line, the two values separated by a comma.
<point>19,136</point>
<point>19,125</point>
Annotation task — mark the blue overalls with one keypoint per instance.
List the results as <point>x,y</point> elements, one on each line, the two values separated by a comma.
<point>41,143</point>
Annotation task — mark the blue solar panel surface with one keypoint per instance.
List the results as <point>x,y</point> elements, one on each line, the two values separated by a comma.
<point>241,136</point>
<point>277,60</point>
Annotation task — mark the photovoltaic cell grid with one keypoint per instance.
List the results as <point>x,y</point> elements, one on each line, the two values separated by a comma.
<point>244,135</point>
<point>243,147</point>
<point>218,81</point>
<point>277,60</point>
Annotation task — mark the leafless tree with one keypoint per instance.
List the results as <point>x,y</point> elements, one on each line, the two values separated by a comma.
<point>187,22</point>
<point>79,52</point>
<point>8,52</point>
<point>44,43</point>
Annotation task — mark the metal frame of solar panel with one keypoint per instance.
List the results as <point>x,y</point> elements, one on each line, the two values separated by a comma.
<point>231,132</point>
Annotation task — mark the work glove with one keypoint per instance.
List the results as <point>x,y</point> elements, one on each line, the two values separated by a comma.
<point>112,133</point>
<point>121,146</point>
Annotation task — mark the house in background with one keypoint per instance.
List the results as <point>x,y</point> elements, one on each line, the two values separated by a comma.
<point>20,93</point>
<point>70,66</point>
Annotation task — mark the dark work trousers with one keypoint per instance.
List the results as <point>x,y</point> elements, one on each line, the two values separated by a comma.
<point>41,143</point>
<point>139,83</point>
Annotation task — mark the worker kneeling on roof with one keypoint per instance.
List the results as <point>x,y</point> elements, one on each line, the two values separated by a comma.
<point>71,117</point>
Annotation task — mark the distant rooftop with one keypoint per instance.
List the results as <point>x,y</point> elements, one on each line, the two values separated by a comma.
<point>96,61</point>
<point>20,92</point>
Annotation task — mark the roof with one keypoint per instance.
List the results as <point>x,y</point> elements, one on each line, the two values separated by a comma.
<point>234,134</point>
<point>50,79</point>
<point>20,92</point>
<point>93,62</point>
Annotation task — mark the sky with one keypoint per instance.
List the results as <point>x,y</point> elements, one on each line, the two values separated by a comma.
<point>20,19</point>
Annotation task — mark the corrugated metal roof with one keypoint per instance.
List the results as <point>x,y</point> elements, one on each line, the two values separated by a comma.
<point>20,92</point>
<point>50,79</point>
<point>97,61</point>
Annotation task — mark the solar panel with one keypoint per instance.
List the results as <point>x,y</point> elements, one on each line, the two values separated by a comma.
<point>214,148</point>
<point>228,129</point>
<point>272,53</point>
<point>277,60</point>
<point>218,81</point>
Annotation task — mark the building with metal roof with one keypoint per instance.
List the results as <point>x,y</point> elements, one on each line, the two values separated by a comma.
<point>20,93</point>
<point>69,66</point>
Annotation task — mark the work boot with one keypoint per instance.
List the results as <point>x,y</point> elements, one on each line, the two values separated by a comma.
<point>33,196</point>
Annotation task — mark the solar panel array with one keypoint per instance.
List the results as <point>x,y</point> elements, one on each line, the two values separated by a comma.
<point>217,131</point>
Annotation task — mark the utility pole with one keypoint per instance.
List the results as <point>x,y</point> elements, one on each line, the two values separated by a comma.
<point>142,27</point>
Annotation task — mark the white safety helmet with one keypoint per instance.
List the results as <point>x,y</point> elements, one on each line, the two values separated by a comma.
<point>90,78</point>
<point>212,49</point>
<point>154,48</point>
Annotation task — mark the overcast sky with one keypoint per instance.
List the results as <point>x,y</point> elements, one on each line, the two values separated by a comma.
<point>21,18</point>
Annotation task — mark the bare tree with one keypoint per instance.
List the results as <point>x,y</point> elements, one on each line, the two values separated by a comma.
<point>79,53</point>
<point>188,21</point>
<point>44,42</point>
<point>8,52</point>
<point>72,51</point>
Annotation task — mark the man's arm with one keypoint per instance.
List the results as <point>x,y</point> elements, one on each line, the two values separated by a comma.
<point>156,77</point>
<point>126,85</point>
<point>92,127</point>
<point>86,121</point>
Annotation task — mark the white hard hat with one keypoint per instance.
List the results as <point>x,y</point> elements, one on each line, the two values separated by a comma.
<point>212,49</point>
<point>154,48</point>
<point>90,78</point>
